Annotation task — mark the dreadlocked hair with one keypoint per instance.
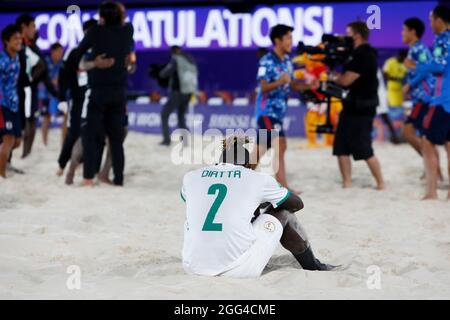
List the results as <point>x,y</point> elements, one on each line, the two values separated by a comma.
<point>234,150</point>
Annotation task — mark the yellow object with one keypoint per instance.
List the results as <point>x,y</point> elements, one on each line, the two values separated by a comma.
<point>394,69</point>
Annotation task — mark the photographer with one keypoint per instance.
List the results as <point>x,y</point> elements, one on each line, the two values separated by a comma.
<point>182,75</point>
<point>354,131</point>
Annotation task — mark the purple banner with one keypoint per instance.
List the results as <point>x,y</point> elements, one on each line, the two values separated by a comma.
<point>145,118</point>
<point>218,28</point>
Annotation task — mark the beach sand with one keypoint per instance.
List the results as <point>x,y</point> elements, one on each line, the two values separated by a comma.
<point>127,241</point>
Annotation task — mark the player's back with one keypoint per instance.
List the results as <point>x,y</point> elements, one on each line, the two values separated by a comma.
<point>220,202</point>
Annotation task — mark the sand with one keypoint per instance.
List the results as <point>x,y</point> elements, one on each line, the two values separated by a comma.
<point>127,241</point>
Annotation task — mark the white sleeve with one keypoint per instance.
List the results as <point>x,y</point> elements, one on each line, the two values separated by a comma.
<point>33,58</point>
<point>273,192</point>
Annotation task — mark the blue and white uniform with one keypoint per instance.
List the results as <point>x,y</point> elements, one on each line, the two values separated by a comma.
<point>271,107</point>
<point>9,100</point>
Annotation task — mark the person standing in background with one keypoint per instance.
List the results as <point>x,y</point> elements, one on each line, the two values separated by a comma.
<point>354,132</point>
<point>275,82</point>
<point>395,73</point>
<point>420,93</point>
<point>35,69</point>
<point>106,109</point>
<point>10,124</point>
<point>436,123</point>
<point>182,73</point>
<point>50,103</point>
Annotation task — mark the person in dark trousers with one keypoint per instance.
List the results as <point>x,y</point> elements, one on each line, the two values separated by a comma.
<point>107,101</point>
<point>183,83</point>
<point>354,131</point>
<point>73,86</point>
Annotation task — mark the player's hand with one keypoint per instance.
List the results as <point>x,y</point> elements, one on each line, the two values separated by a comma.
<point>409,63</point>
<point>284,79</point>
<point>406,88</point>
<point>63,106</point>
<point>102,62</point>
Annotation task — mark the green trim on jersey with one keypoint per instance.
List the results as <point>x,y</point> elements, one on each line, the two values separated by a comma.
<point>284,199</point>
<point>181,194</point>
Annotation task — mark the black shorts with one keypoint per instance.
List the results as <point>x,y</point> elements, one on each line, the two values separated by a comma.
<point>269,128</point>
<point>436,125</point>
<point>354,137</point>
<point>416,116</point>
<point>10,123</point>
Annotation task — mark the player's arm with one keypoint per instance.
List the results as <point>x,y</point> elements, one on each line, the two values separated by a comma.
<point>292,204</point>
<point>280,197</point>
<point>301,86</point>
<point>438,62</point>
<point>345,79</point>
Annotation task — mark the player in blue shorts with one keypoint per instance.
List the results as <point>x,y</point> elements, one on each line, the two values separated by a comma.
<point>275,79</point>
<point>420,93</point>
<point>436,123</point>
<point>10,124</point>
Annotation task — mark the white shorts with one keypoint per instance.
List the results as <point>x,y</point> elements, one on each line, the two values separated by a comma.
<point>268,231</point>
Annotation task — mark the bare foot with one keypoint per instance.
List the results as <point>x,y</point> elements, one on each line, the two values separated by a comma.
<point>69,177</point>
<point>346,184</point>
<point>87,183</point>
<point>381,186</point>
<point>430,197</point>
<point>60,172</point>
<point>105,180</point>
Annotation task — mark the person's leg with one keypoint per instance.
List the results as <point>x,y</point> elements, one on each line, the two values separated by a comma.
<point>116,135</point>
<point>279,145</point>
<point>73,133</point>
<point>341,149</point>
<point>436,126</point>
<point>447,148</point>
<point>45,126</point>
<point>294,239</point>
<point>64,128</point>
<point>375,169</point>
<point>103,175</point>
<point>167,109</point>
<point>28,136</point>
<point>107,165</point>
<point>345,168</point>
<point>431,168</point>
<point>387,120</point>
<point>181,110</point>
<point>93,138</point>
<point>6,146</point>
<point>410,135</point>
<point>75,160</point>
<point>181,115</point>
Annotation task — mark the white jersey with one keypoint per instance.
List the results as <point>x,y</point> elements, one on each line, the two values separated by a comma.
<point>220,203</point>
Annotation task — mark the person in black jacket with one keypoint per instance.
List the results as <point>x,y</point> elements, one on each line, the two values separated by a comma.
<point>107,101</point>
<point>72,86</point>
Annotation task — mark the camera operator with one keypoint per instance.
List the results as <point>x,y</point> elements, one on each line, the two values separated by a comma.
<point>354,131</point>
<point>182,75</point>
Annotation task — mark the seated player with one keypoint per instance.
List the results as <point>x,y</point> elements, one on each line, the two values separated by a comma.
<point>226,233</point>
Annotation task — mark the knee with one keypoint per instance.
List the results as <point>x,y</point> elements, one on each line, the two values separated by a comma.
<point>17,143</point>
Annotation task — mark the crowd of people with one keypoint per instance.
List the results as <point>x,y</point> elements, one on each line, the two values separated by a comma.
<point>86,86</point>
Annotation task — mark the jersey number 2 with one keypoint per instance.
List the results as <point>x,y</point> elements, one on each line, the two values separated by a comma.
<point>209,224</point>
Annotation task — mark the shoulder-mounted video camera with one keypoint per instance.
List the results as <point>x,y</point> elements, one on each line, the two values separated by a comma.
<point>334,50</point>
